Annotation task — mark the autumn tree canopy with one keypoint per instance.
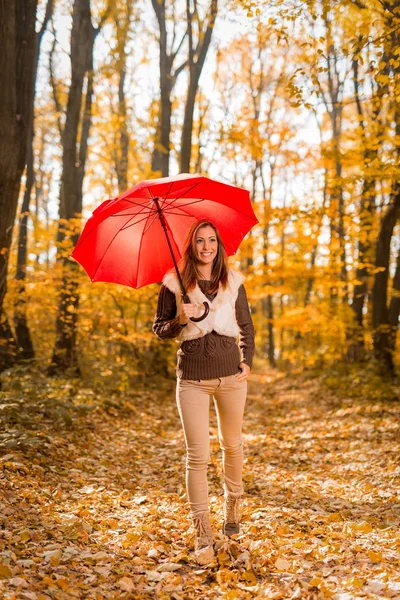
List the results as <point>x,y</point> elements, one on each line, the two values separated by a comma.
<point>296,101</point>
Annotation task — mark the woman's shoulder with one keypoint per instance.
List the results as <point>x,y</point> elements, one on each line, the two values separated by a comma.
<point>170,281</point>
<point>235,277</point>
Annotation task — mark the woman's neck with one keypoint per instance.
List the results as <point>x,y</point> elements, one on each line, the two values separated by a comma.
<point>204,271</point>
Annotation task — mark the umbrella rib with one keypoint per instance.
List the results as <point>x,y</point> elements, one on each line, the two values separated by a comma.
<point>186,204</point>
<point>186,214</point>
<point>148,227</point>
<point>170,188</point>
<point>201,200</point>
<point>140,212</point>
<point>82,239</point>
<point>152,197</point>
<point>187,190</point>
<point>126,226</point>
<point>112,239</point>
<point>135,203</point>
<point>169,212</point>
<point>105,252</point>
<point>181,207</point>
<point>141,242</point>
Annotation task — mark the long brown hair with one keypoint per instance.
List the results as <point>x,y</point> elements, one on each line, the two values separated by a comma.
<point>187,264</point>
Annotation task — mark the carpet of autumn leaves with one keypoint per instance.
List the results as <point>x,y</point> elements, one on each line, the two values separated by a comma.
<point>93,500</point>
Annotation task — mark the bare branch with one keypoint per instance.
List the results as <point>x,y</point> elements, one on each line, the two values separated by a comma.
<point>181,68</point>
<point>174,54</point>
<point>47,17</point>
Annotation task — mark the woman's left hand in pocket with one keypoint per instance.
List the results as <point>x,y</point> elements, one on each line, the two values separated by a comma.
<point>243,376</point>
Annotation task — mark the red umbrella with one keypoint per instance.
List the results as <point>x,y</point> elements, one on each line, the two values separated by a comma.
<point>137,237</point>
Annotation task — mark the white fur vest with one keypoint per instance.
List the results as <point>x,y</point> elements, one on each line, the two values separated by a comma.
<point>222,315</point>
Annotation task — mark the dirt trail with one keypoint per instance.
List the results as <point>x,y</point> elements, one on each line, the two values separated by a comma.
<point>93,501</point>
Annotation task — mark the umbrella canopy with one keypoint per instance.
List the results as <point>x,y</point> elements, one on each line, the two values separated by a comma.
<point>124,241</point>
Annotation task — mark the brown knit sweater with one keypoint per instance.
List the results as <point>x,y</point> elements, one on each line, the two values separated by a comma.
<point>212,355</point>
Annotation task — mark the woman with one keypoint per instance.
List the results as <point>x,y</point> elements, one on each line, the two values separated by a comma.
<point>215,359</point>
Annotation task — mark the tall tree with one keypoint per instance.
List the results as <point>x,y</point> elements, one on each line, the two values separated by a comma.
<point>17,59</point>
<point>384,316</point>
<point>384,331</point>
<point>168,76</point>
<point>372,139</point>
<point>75,148</point>
<point>197,56</point>
<point>122,19</point>
<point>394,309</point>
<point>24,342</point>
<point>332,97</point>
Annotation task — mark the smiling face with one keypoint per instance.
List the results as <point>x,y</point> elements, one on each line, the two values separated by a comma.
<point>206,245</point>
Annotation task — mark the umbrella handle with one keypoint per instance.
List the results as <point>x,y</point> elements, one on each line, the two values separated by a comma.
<point>203,316</point>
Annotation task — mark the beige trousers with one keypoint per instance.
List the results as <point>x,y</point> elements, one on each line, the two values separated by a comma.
<point>193,401</point>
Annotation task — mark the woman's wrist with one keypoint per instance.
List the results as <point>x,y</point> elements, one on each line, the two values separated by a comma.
<point>245,362</point>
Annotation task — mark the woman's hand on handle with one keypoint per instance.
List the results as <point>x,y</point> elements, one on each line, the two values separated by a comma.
<point>243,376</point>
<point>186,312</point>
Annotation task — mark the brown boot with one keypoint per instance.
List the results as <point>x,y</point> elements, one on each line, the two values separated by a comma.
<point>203,549</point>
<point>231,524</point>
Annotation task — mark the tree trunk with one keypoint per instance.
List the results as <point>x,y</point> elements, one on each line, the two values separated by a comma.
<point>123,162</point>
<point>160,161</point>
<point>380,314</point>
<point>195,69</point>
<point>168,77</point>
<point>267,302</point>
<point>122,153</point>
<point>333,100</point>
<point>23,338</point>
<point>314,251</point>
<point>336,196</point>
<point>394,308</point>
<point>384,318</point>
<point>187,130</point>
<point>17,33</point>
<point>24,342</point>
<point>73,162</point>
<point>356,348</point>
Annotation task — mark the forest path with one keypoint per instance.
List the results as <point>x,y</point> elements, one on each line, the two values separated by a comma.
<point>94,506</point>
